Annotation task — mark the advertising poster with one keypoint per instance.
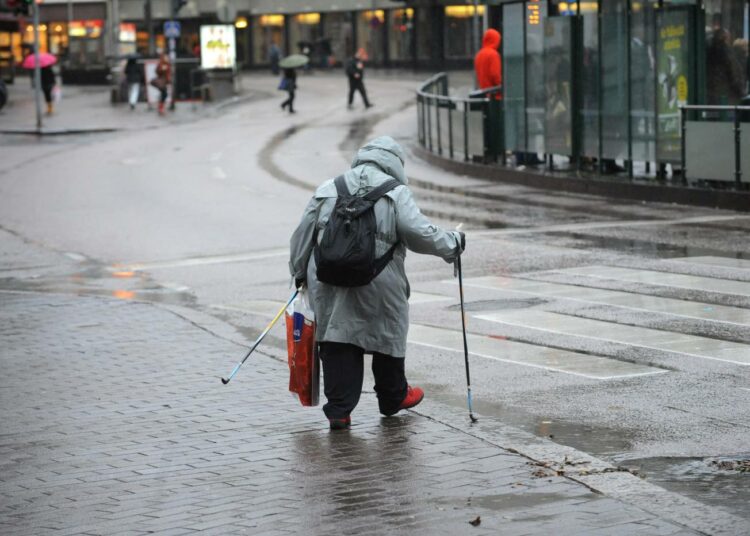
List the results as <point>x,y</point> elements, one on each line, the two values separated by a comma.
<point>218,48</point>
<point>672,82</point>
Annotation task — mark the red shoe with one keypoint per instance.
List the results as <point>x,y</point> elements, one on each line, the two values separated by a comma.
<point>414,396</point>
<point>340,424</point>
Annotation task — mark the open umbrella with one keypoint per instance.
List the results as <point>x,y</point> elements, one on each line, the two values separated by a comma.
<point>294,61</point>
<point>45,60</point>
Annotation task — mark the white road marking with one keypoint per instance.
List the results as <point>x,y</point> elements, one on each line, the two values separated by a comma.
<point>702,347</point>
<point>75,256</point>
<point>215,157</point>
<point>529,355</point>
<point>218,173</point>
<point>627,300</point>
<point>203,261</point>
<point>667,279</point>
<point>727,262</point>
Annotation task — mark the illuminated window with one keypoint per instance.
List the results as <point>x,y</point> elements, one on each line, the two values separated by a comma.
<point>462,12</point>
<point>308,18</point>
<point>240,23</point>
<point>272,20</point>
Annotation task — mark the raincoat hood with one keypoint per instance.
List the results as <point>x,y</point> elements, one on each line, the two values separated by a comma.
<point>491,38</point>
<point>384,153</point>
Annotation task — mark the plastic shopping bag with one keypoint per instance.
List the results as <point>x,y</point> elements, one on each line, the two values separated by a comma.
<point>304,367</point>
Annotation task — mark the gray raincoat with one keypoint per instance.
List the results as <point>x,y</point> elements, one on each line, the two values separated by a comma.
<point>374,317</point>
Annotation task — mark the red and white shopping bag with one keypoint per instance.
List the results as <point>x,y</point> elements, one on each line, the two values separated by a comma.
<point>304,367</point>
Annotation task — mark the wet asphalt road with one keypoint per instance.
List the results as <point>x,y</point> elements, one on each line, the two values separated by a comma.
<point>620,328</point>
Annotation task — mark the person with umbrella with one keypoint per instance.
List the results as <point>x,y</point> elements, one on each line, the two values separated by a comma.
<point>46,61</point>
<point>289,78</point>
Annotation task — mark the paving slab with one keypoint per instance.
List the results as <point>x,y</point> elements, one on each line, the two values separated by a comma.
<point>138,391</point>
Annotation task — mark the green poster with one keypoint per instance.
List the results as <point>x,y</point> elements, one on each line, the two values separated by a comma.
<point>672,81</point>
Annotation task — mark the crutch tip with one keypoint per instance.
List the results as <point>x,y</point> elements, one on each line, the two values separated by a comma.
<point>224,381</point>
<point>473,419</point>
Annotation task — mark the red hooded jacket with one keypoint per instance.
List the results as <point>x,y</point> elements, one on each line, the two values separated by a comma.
<point>487,62</point>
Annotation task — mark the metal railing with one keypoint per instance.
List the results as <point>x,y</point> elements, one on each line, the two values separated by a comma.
<point>713,143</point>
<point>468,127</point>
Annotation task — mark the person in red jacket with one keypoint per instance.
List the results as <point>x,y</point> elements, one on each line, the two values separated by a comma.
<point>487,63</point>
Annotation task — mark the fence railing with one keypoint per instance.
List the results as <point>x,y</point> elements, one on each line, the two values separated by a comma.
<point>467,128</point>
<point>713,144</point>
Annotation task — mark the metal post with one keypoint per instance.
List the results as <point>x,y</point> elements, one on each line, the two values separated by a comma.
<point>437,120</point>
<point>429,124</point>
<point>173,55</point>
<point>737,145</point>
<point>475,27</point>
<point>466,131</point>
<point>37,70</point>
<point>683,128</point>
<point>450,129</point>
<point>149,27</point>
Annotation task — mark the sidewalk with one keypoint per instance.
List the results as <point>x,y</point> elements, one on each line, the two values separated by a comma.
<point>87,109</point>
<point>114,422</point>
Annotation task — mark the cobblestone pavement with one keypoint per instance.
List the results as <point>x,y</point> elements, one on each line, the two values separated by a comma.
<point>114,422</point>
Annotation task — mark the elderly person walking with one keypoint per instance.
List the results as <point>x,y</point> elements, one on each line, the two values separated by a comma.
<point>372,318</point>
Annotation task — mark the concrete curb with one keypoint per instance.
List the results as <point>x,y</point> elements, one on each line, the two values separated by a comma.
<point>654,193</point>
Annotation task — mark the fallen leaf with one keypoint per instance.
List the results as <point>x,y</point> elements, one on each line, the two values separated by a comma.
<point>476,522</point>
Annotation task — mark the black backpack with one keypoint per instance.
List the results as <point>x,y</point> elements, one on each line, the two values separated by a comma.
<point>345,256</point>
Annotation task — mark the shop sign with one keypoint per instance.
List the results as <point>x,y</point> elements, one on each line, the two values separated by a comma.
<point>533,12</point>
<point>127,32</point>
<point>218,47</point>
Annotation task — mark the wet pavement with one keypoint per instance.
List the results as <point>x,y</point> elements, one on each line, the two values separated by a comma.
<point>611,328</point>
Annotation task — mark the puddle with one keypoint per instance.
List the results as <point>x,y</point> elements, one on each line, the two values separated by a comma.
<point>93,279</point>
<point>701,479</point>
<point>497,305</point>
<point>596,440</point>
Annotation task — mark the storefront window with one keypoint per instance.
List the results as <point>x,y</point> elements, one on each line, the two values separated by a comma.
<point>304,35</point>
<point>338,35</point>
<point>459,30</point>
<point>371,34</point>
<point>726,51</point>
<point>425,29</point>
<point>558,78</point>
<point>513,77</point>
<point>267,30</point>
<point>401,34</point>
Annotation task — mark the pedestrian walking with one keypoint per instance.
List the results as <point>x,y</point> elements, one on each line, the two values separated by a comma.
<point>370,318</point>
<point>355,72</point>
<point>162,80</point>
<point>289,84</point>
<point>134,78</point>
<point>48,84</point>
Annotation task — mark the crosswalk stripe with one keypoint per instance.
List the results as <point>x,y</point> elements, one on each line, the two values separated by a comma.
<point>629,300</point>
<point>702,347</point>
<point>497,349</point>
<point>727,262</point>
<point>668,279</point>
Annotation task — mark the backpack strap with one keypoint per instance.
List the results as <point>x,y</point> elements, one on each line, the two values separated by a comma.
<point>341,188</point>
<point>376,193</point>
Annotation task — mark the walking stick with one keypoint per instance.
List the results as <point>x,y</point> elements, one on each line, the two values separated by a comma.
<point>260,337</point>
<point>466,347</point>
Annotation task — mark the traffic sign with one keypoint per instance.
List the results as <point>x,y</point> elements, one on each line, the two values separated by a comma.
<point>172,29</point>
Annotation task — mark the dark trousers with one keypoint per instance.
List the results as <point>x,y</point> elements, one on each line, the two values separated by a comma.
<point>289,101</point>
<point>356,84</point>
<point>163,95</point>
<point>47,93</point>
<point>343,374</point>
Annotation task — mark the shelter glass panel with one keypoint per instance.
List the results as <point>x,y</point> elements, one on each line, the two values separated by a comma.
<point>614,79</point>
<point>558,116</point>
<point>536,94</point>
<point>425,31</point>
<point>513,77</point>
<point>589,84</point>
<point>643,81</point>
<point>726,51</point>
